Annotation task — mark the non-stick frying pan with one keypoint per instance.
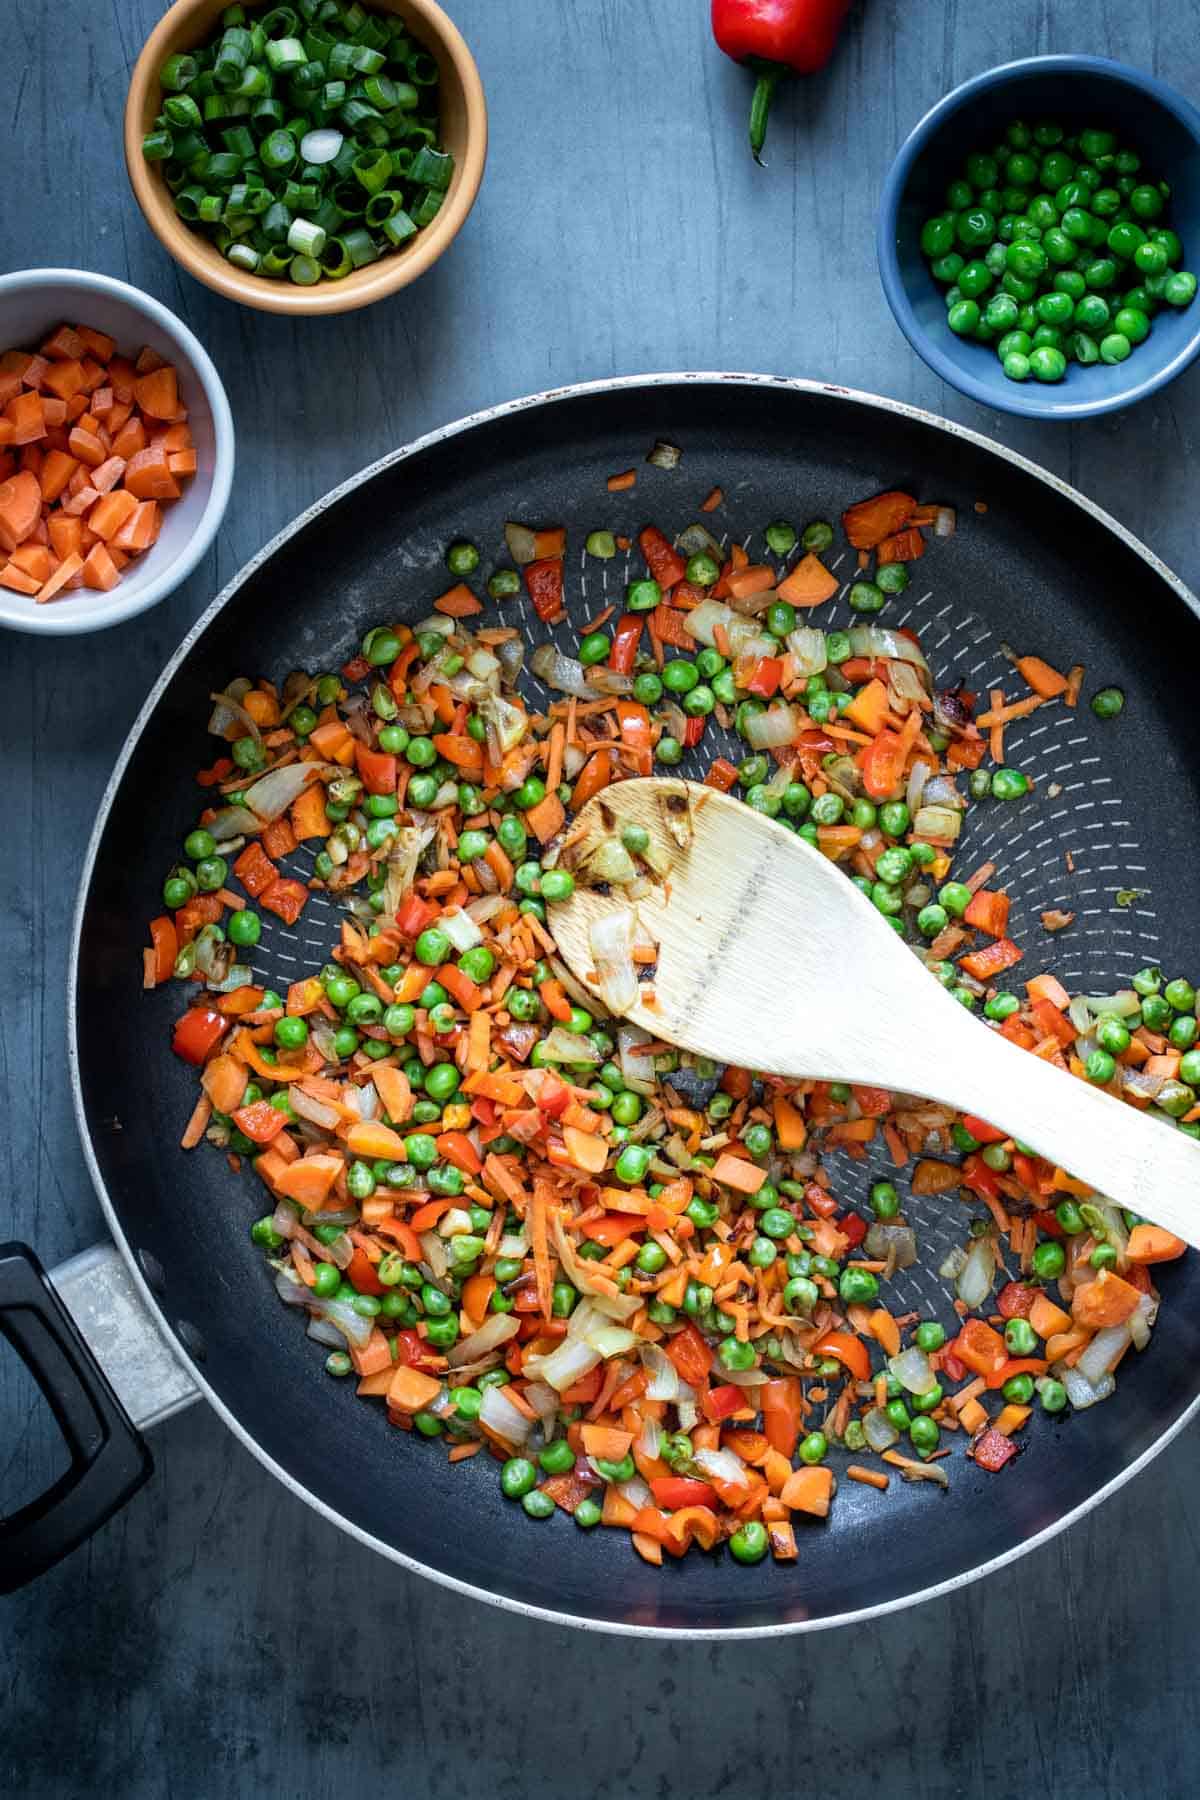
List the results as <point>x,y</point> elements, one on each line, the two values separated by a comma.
<point>1033,565</point>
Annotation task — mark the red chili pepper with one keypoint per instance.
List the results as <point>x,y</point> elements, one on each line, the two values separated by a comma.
<point>196,1033</point>
<point>775,37</point>
<point>626,638</point>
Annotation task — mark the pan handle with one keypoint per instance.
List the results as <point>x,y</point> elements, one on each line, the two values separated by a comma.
<point>109,1457</point>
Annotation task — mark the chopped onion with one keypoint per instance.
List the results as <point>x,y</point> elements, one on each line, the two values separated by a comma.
<point>772,729</point>
<point>320,146</point>
<point>650,1442</point>
<point>612,1340</point>
<point>1141,1322</point>
<point>877,640</point>
<point>702,621</point>
<point>562,672</point>
<point>610,939</point>
<point>664,455</point>
<point>404,854</point>
<point>918,775</point>
<point>315,1111</point>
<point>745,1378</point>
<point>572,1360</point>
<point>637,1070</point>
<point>573,988</point>
<point>945,522</point>
<point>227,707</point>
<point>696,539</point>
<point>609,861</point>
<point>500,1415</point>
<point>352,1325</point>
<point>511,656</point>
<point>461,929</point>
<point>935,821</point>
<point>953,1263</point>
<point>522,543</point>
<point>974,1284</point>
<point>1079,1014</point>
<point>563,1046</point>
<point>1123,1003</point>
<point>1083,1393</point>
<point>485,907</point>
<point>898,1241</point>
<point>482,664</point>
<point>878,1430</point>
<point>506,724</point>
<point>341,1250</point>
<point>723,1466</point>
<point>905,683</point>
<point>494,1331</point>
<point>1095,1362</point>
<point>941,791</point>
<point>232,822</point>
<point>635,1491</point>
<point>911,1369</point>
<point>283,1220</point>
<point>322,1332</point>
<point>436,624</point>
<point>664,1376</point>
<point>808,648</point>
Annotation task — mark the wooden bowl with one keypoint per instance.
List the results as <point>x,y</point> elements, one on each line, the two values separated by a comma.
<point>464,133</point>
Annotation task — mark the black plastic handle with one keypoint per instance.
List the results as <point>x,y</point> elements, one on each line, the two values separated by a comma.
<point>109,1457</point>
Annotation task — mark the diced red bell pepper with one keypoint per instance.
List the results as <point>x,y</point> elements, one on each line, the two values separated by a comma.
<point>981,1131</point>
<point>1015,1300</point>
<point>662,560</point>
<point>164,941</point>
<point>882,764</point>
<point>544,580</point>
<point>819,1201</point>
<point>693,732</point>
<point>847,1349</point>
<point>285,898</point>
<point>674,1491</point>
<point>873,1102</point>
<point>456,1147</point>
<point>722,775</point>
<point>553,1096</point>
<point>357,669</point>
<point>627,635</point>
<point>1053,1024</point>
<point>979,1347</point>
<point>1016,1365</point>
<point>255,870</point>
<point>992,1450</point>
<point>853,1228</point>
<point>377,768</point>
<point>197,1032</point>
<point>413,1350</point>
<point>781,1400</point>
<point>261,1122</point>
<point>414,914</point>
<point>360,1273</point>
<point>719,1403</point>
<point>992,960</point>
<point>690,1354</point>
<point>1048,1222</point>
<point>765,680</point>
<point>979,1178</point>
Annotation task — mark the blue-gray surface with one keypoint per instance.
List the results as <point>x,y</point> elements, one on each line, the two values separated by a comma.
<point>219,1638</point>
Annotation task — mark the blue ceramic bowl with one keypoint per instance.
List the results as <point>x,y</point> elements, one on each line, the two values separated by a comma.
<point>1077,90</point>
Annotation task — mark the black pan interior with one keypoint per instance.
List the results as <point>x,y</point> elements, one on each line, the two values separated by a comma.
<point>1039,571</point>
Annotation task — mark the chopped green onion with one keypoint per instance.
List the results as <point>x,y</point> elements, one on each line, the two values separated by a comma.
<point>335,259</point>
<point>360,247</point>
<point>278,151</point>
<point>432,168</point>
<point>321,146</point>
<point>157,146</point>
<point>304,271</point>
<point>305,238</point>
<point>398,228</point>
<point>285,53</point>
<point>243,256</point>
<point>178,72</point>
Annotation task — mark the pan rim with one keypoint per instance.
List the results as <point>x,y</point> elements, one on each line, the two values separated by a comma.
<point>503,410</point>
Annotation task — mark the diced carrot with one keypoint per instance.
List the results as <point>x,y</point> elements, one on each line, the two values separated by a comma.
<point>158,393</point>
<point>20,507</point>
<point>738,1173</point>
<point>55,584</point>
<point>27,416</point>
<point>174,437</point>
<point>371,1139</point>
<point>606,1441</point>
<point>142,527</point>
<point>869,707</point>
<point>102,403</point>
<point>870,521</point>
<point>458,602</point>
<point>1041,677</point>
<point>224,1081</point>
<point>148,475</point>
<point>1108,1300</point>
<point>34,560</point>
<point>1048,1319</point>
<point>129,437</point>
<point>87,447</point>
<point>65,379</point>
<point>108,474</point>
<point>181,462</point>
<point>546,818</point>
<point>790,1128</point>
<point>65,342</point>
<point>310,1179</point>
<point>809,584</point>
<point>17,581</point>
<point>57,470</point>
<point>99,570</point>
<point>411,1390</point>
<point>308,816</point>
<point>809,1490</point>
<point>1152,1244</point>
<point>81,500</point>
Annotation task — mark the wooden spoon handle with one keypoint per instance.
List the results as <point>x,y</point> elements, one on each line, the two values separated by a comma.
<point>1136,1161</point>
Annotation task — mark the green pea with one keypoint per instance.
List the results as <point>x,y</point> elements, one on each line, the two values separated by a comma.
<point>1051,1393</point>
<point>1099,1067</point>
<point>777,1222</point>
<point>518,1477</point>
<point>898,1414</point>
<point>632,1164</point>
<point>924,1435</point>
<point>885,1201</point>
<point>338,1363</point>
<point>1049,1260</point>
<point>929,1336</point>
<point>1018,1389</point>
<point>1020,1337</point>
<point>291,1034</point>
<point>857,1286</point>
<point>866,596</point>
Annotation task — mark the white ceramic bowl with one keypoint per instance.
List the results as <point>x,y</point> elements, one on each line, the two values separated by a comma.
<point>32,303</point>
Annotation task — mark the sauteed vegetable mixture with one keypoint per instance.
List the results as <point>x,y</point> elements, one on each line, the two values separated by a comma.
<point>655,1291</point>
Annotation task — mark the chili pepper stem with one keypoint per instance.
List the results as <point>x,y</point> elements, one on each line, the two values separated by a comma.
<point>760,106</point>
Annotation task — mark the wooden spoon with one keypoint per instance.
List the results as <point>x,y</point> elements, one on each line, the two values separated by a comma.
<point>769,958</point>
